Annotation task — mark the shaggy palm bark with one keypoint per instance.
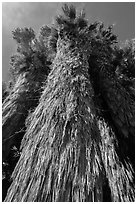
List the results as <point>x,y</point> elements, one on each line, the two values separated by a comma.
<point>16,106</point>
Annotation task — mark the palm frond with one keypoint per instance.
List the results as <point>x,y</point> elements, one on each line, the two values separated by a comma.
<point>69,11</point>
<point>45,31</point>
<point>93,26</point>
<point>81,23</point>
<point>52,40</point>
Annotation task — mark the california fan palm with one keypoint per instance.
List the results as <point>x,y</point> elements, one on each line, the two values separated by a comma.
<point>70,149</point>
<point>28,73</point>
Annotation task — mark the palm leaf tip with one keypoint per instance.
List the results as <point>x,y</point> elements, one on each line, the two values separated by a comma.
<point>80,21</point>
<point>69,11</point>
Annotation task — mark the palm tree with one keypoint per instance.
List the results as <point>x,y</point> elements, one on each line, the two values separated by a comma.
<point>115,92</point>
<point>29,68</point>
<point>69,150</point>
<point>28,73</point>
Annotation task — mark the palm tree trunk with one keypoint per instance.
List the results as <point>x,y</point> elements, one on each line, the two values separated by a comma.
<point>60,159</point>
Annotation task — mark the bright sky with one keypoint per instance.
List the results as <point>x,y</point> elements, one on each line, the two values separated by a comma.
<point>36,14</point>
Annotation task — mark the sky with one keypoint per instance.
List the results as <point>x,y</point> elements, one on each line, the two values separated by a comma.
<point>36,14</point>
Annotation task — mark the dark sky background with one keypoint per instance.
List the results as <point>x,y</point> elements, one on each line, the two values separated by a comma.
<point>36,14</point>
